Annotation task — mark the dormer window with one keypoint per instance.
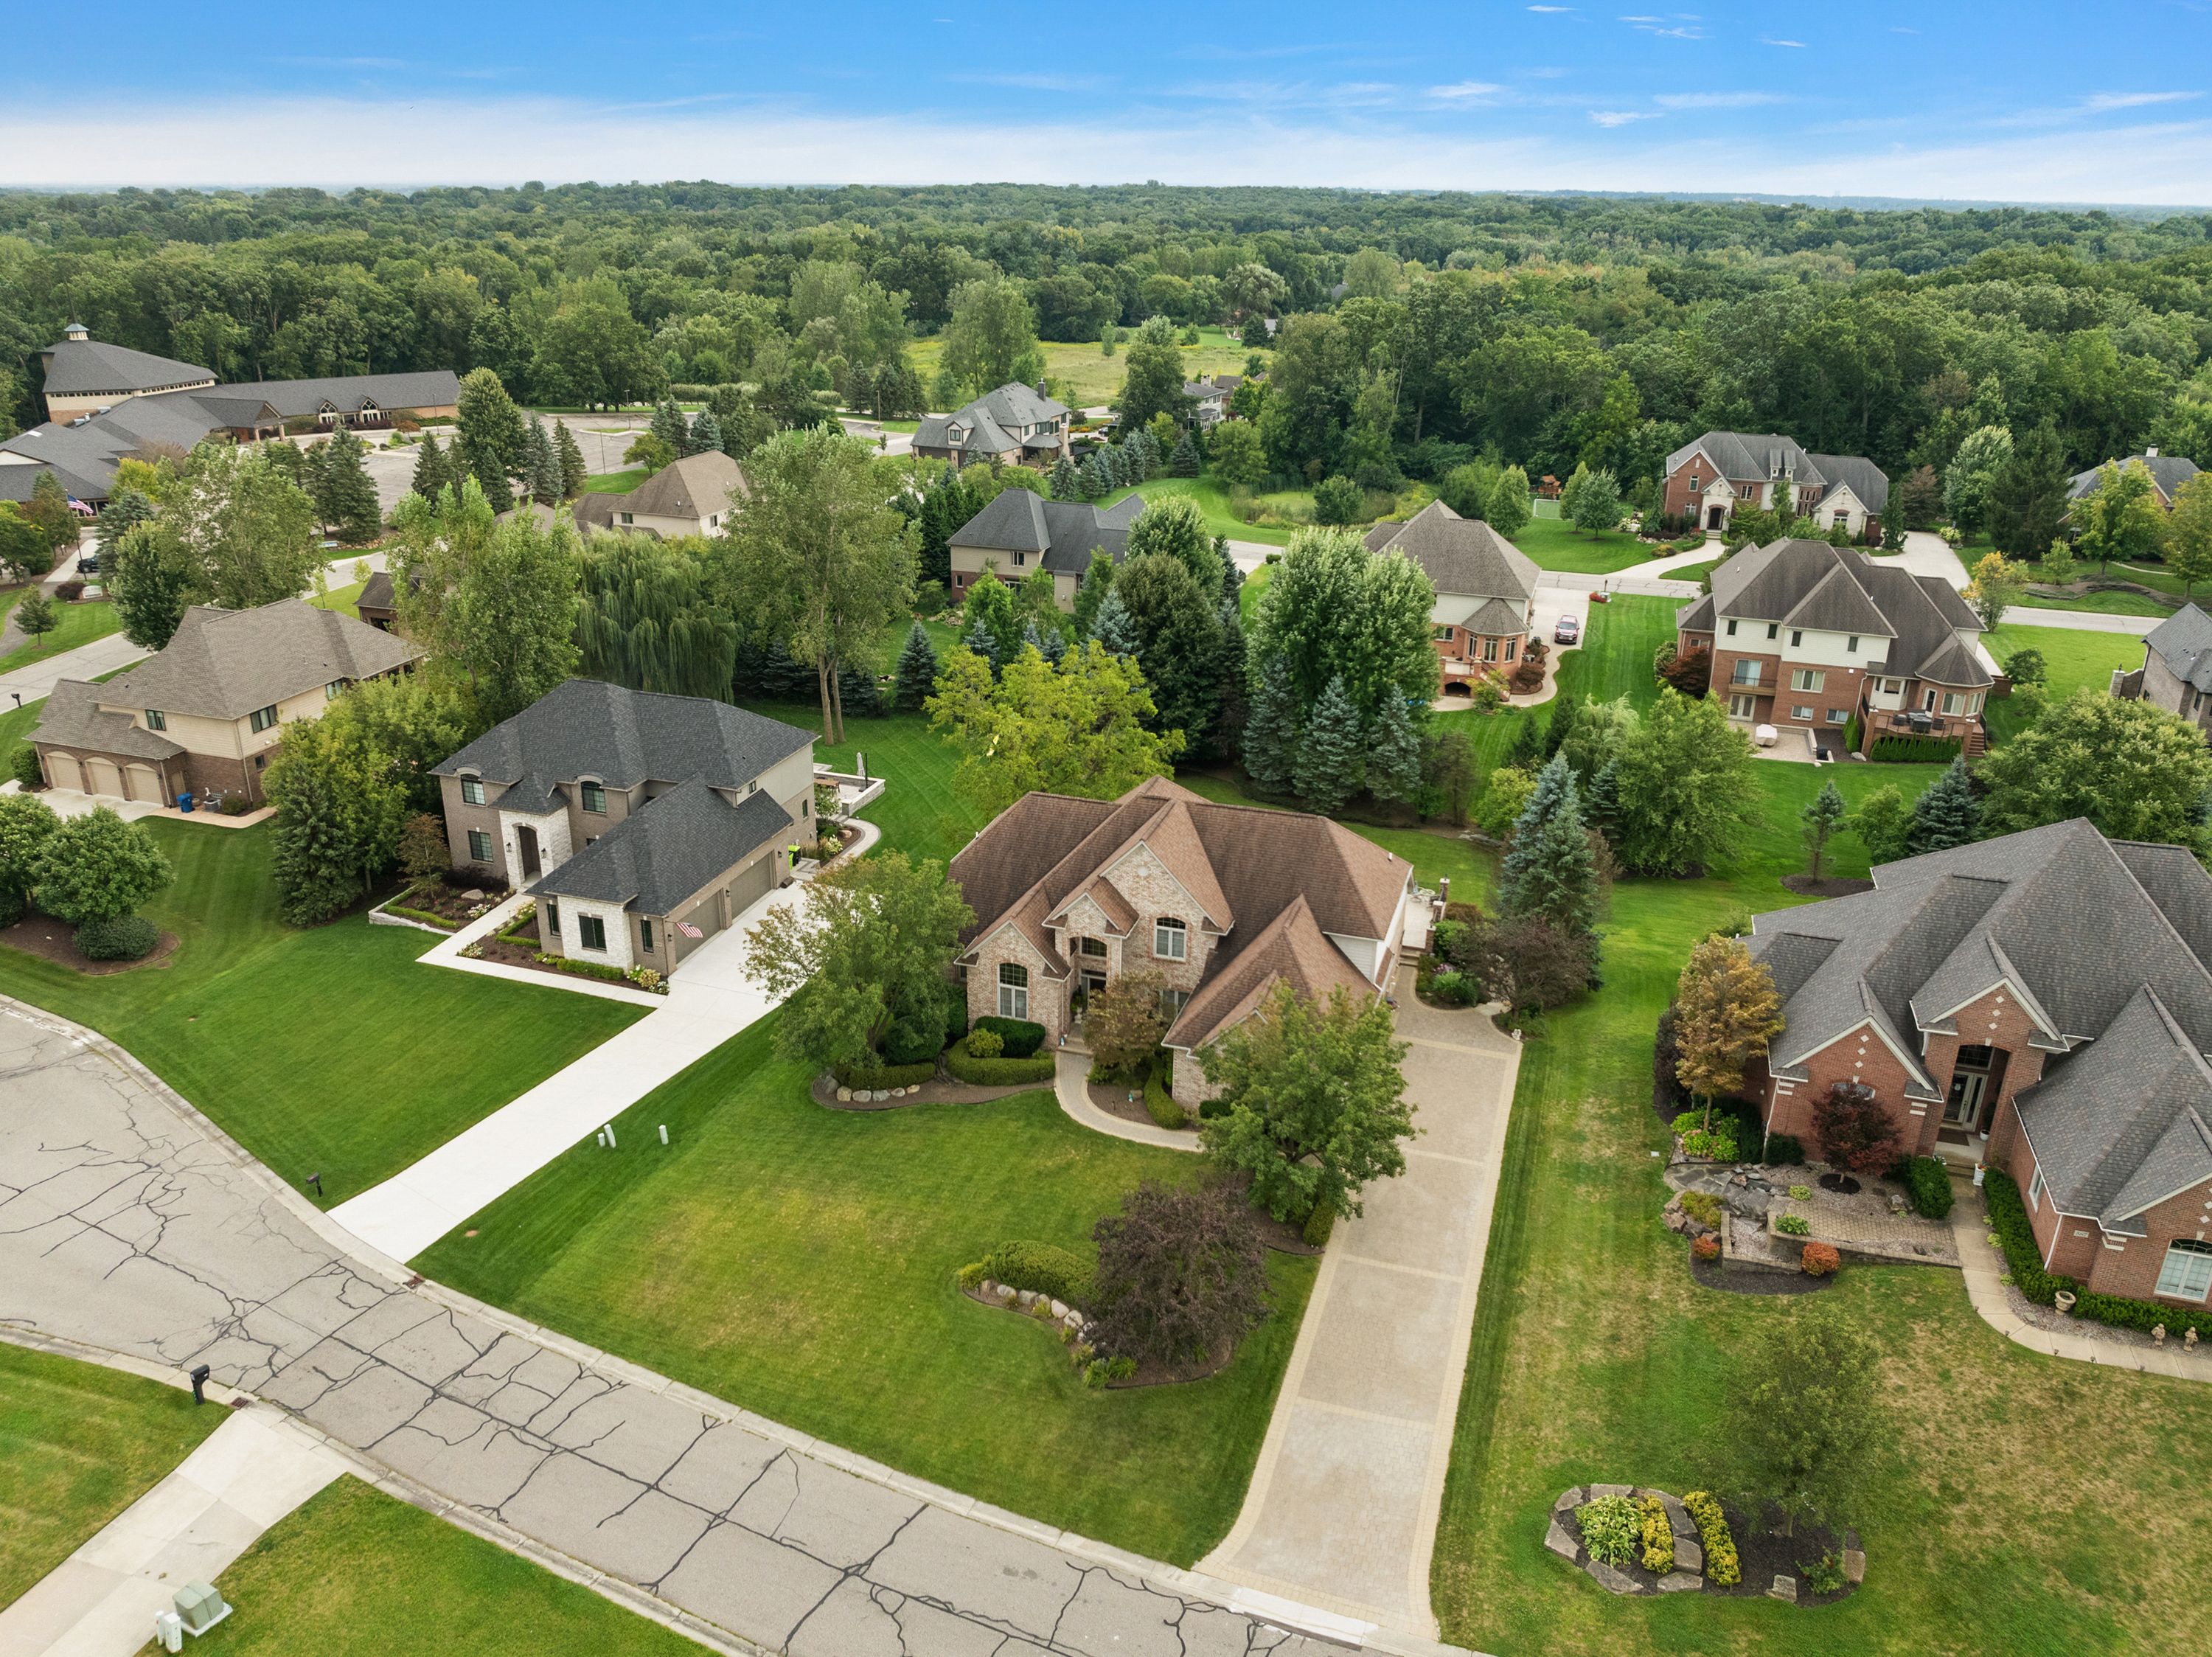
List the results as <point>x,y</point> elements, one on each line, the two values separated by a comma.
<point>472,791</point>
<point>595,798</point>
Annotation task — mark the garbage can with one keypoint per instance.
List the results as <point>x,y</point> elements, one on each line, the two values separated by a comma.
<point>184,802</point>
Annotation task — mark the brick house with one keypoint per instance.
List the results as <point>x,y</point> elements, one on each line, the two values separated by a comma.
<point>1016,424</point>
<point>2177,670</point>
<point>1485,588</point>
<point>205,715</point>
<point>2039,1003</point>
<point>1223,901</point>
<point>1804,635</point>
<point>1706,479</point>
<point>1018,532</point>
<point>2167,473</point>
<point>643,823</point>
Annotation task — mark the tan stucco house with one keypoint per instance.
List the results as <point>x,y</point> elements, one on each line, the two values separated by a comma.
<point>1014,425</point>
<point>1019,532</point>
<point>694,495</point>
<point>1222,901</point>
<point>1485,588</point>
<point>206,715</point>
<point>642,824</point>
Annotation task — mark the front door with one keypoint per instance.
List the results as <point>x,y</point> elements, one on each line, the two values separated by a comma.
<point>525,840</point>
<point>1716,517</point>
<point>1970,1083</point>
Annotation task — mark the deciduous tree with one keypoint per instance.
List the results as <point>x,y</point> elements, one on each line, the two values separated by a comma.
<point>1997,586</point>
<point>1182,1275</point>
<point>1806,1416</point>
<point>98,867</point>
<point>339,812</point>
<point>990,340</point>
<point>1883,823</point>
<point>1080,727</point>
<point>1686,790</point>
<point>1124,1021</point>
<point>2133,770</point>
<point>1726,1010</point>
<point>649,618</point>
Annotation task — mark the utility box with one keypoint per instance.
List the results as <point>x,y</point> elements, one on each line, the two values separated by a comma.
<point>199,1607</point>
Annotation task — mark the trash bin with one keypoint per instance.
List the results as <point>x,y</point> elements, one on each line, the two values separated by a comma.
<point>184,802</point>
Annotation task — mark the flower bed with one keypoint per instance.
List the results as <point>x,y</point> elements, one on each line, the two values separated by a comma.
<point>1635,1541</point>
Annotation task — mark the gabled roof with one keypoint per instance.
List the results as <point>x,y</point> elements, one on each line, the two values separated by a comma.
<point>1463,557</point>
<point>697,486</point>
<point>225,664</point>
<point>984,423</point>
<point>671,847</point>
<point>1765,457</point>
<point>1291,947</point>
<point>71,715</point>
<point>1838,603</point>
<point>428,388</point>
<point>1017,404</point>
<point>77,368</point>
<point>2183,642</point>
<point>1062,533</point>
<point>2168,472</point>
<point>1811,584</point>
<point>587,727</point>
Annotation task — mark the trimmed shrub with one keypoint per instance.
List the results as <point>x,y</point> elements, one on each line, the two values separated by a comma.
<point>1707,1247</point>
<point>1819,1260</point>
<point>1702,1207</point>
<point>1021,1037</point>
<point>1825,1574</point>
<point>1657,1537</point>
<point>1785,1150</point>
<point>25,768</point>
<point>997,1072</point>
<point>986,1044</point>
<point>1319,1226</point>
<point>569,964</point>
<point>1914,750</point>
<point>876,1076</point>
<point>1930,1183</point>
<point>2024,1258</point>
<point>1723,1568</point>
<point>1794,1225</point>
<point>1611,1528</point>
<point>126,938</point>
<point>1046,1268</point>
<point>1160,1104</point>
<point>913,1041</point>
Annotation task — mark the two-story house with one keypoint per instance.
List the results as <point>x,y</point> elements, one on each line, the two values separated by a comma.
<point>1807,634</point>
<point>2167,473</point>
<point>1485,588</point>
<point>2039,1003</point>
<point>643,823</point>
<point>1019,532</point>
<point>1706,481</point>
<point>1222,901</point>
<point>2177,670</point>
<point>206,714</point>
<point>695,495</point>
<point>1017,424</point>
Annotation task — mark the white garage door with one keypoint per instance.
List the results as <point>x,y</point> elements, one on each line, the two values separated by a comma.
<point>62,771</point>
<point>101,777</point>
<point>142,783</point>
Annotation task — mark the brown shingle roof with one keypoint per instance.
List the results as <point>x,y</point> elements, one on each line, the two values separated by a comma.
<point>224,664</point>
<point>1292,946</point>
<point>1464,557</point>
<point>697,486</point>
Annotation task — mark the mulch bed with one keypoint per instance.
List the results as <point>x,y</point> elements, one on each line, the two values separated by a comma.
<point>1765,1553</point>
<point>1114,1099</point>
<point>1831,886</point>
<point>1750,1280</point>
<point>55,941</point>
<point>434,897</point>
<point>942,1091</point>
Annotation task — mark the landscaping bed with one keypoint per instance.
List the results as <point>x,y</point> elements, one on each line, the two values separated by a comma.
<point>939,1090</point>
<point>438,902</point>
<point>1698,1543</point>
<point>56,940</point>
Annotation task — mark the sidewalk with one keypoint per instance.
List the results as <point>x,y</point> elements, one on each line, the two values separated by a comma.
<point>102,1599</point>
<point>1071,1084</point>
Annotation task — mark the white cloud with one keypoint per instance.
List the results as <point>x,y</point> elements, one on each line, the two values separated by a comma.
<point>1551,8</point>
<point>1620,116</point>
<point>1716,100</point>
<point>2104,101</point>
<point>1037,83</point>
<point>1466,90</point>
<point>1769,40</point>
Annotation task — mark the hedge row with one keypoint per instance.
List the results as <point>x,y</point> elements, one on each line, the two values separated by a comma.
<point>1160,1102</point>
<point>1914,750</point>
<point>1043,1267</point>
<point>584,969</point>
<point>1022,1037</point>
<point>996,1072</point>
<point>2016,1237</point>
<point>882,1075</point>
<point>1930,1183</point>
<point>428,919</point>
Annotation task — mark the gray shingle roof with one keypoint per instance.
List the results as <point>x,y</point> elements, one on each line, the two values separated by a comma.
<point>1063,531</point>
<point>224,664</point>
<point>428,389</point>
<point>1811,584</point>
<point>697,486</point>
<point>72,717</point>
<point>2102,943</point>
<point>1463,557</point>
<point>78,366</point>
<point>586,728</point>
<point>2168,472</point>
<point>1748,457</point>
<point>670,848</point>
<point>2183,642</point>
<point>985,421</point>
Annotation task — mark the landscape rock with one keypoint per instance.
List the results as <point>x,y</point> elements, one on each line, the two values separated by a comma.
<point>1786,1587</point>
<point>1569,1501</point>
<point>1561,1541</point>
<point>1612,1580</point>
<point>1854,1565</point>
<point>1025,1298</point>
<point>844,1095</point>
<point>1005,1295</point>
<point>1689,1554</point>
<point>1058,1309</point>
<point>1681,1582</point>
<point>1597,1490</point>
<point>1678,1516</point>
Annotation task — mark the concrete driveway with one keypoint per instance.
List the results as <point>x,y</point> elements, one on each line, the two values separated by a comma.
<point>1342,1508</point>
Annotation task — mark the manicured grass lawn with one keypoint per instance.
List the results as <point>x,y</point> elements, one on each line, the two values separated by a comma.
<point>1695,571</point>
<point>341,599</point>
<point>800,1261</point>
<point>2073,657</point>
<point>2103,603</point>
<point>616,483</point>
<point>1095,377</point>
<point>81,622</point>
<point>919,812</point>
<point>1554,544</point>
<point>325,1050</point>
<point>79,1444</point>
<point>1212,497</point>
<point>322,1579</point>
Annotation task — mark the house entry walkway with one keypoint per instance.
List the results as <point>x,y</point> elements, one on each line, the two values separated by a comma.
<point>1342,1510</point>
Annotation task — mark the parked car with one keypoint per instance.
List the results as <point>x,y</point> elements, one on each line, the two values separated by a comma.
<point>1569,630</point>
<point>87,562</point>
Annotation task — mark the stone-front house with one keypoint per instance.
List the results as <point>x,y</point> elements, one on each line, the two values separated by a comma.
<point>1485,588</point>
<point>1706,480</point>
<point>2167,473</point>
<point>1221,900</point>
<point>1019,532</point>
<point>1015,425</point>
<point>2039,1003</point>
<point>206,714</point>
<point>642,824</point>
<point>2177,670</point>
<point>1805,634</point>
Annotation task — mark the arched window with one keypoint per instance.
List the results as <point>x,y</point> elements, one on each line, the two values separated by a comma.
<point>2187,1273</point>
<point>1170,939</point>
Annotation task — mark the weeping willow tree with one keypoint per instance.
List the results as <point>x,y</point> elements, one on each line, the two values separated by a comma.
<point>650,619</point>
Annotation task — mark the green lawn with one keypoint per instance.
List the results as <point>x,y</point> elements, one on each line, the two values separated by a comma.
<point>325,1050</point>
<point>1094,377</point>
<point>2073,658</point>
<point>323,1579</point>
<point>616,483</point>
<point>1212,497</point>
<point>2108,603</point>
<point>1555,543</point>
<point>800,1261</point>
<point>1696,572</point>
<point>81,622</point>
<point>340,599</point>
<point>79,1444</point>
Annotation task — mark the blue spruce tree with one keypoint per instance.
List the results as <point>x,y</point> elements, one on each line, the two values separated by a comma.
<point>1271,735</point>
<point>1330,764</point>
<point>1115,627</point>
<point>1393,752</point>
<point>1550,874</point>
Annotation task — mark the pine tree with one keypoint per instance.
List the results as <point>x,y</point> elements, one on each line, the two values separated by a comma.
<point>541,464</point>
<point>1393,752</point>
<point>983,642</point>
<point>1097,580</point>
<point>1097,474</point>
<point>1549,873</point>
<point>1064,484</point>
<point>1945,815</point>
<point>572,471</point>
<point>432,470</point>
<point>1527,753</point>
<point>668,426</point>
<point>1052,645</point>
<point>706,432</point>
<point>1030,637</point>
<point>1233,707</point>
<point>1115,627</point>
<point>344,496</point>
<point>915,676</point>
<point>1562,722</point>
<point>1124,463</point>
<point>1271,735</point>
<point>1822,819</point>
<point>1184,463</point>
<point>1329,769</point>
<point>1601,805</point>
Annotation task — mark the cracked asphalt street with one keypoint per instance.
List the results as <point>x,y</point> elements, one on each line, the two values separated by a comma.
<point>125,1225</point>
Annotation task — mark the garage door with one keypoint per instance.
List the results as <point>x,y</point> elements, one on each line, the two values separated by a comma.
<point>63,772</point>
<point>101,777</point>
<point>142,783</point>
<point>753,884</point>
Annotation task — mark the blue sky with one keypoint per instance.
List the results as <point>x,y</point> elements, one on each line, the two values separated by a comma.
<point>2108,103</point>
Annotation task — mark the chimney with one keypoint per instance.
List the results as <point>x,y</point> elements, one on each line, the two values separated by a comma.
<point>2151,453</point>
<point>78,330</point>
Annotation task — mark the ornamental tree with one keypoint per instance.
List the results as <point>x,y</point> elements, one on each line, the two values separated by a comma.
<point>1124,1021</point>
<point>98,867</point>
<point>1822,818</point>
<point>1312,1102</point>
<point>1181,1277</point>
<point>1805,1414</point>
<point>1727,1009</point>
<point>1997,585</point>
<point>1854,1129</point>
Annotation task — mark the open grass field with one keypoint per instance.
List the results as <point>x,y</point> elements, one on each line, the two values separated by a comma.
<point>1212,497</point>
<point>616,483</point>
<point>324,1051</point>
<point>340,599</point>
<point>2104,604</point>
<point>322,1579</point>
<point>800,1261</point>
<point>2072,657</point>
<point>81,622</point>
<point>1555,543</point>
<point>1095,378</point>
<point>79,1444</point>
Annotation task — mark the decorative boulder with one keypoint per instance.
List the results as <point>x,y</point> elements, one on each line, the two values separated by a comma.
<point>1561,1541</point>
<point>844,1095</point>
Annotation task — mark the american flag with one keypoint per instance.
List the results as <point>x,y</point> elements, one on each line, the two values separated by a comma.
<point>688,930</point>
